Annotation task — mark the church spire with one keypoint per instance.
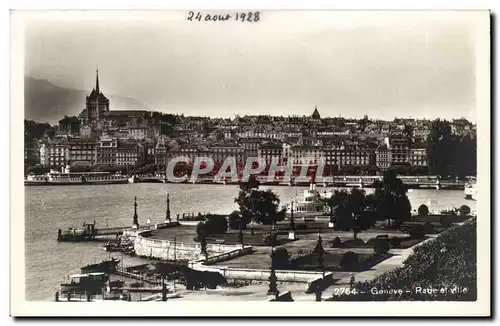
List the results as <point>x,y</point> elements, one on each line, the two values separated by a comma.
<point>97,81</point>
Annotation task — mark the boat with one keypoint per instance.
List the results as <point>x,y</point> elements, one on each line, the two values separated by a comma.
<point>66,177</point>
<point>73,235</point>
<point>312,203</point>
<point>118,247</point>
<point>106,266</point>
<point>83,287</point>
<point>95,286</point>
<point>470,190</point>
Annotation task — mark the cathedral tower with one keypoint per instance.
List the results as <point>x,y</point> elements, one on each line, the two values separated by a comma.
<point>96,103</point>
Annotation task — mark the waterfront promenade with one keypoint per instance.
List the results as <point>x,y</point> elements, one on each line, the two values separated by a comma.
<point>413,182</point>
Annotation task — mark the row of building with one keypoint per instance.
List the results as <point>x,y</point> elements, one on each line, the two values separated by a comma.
<point>109,150</point>
<point>105,151</point>
<point>393,151</point>
<point>100,136</point>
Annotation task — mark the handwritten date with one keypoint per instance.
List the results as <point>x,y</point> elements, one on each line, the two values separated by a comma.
<point>250,17</point>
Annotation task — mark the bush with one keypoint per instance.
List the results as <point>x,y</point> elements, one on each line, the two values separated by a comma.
<point>423,210</point>
<point>350,260</point>
<point>428,227</point>
<point>216,224</point>
<point>381,247</point>
<point>464,210</point>
<point>281,258</point>
<point>353,243</point>
<point>417,231</point>
<point>336,243</point>
<point>367,219</point>
<point>201,228</point>
<point>372,242</point>
<point>270,238</point>
<point>446,221</point>
<point>235,220</point>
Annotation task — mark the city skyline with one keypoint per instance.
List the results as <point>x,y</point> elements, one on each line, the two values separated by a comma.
<point>424,69</point>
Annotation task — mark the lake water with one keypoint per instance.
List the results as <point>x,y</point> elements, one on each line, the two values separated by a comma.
<point>49,208</point>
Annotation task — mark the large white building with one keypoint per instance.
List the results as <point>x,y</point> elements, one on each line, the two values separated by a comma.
<point>54,154</point>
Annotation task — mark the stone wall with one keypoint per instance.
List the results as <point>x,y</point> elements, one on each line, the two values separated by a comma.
<point>164,249</point>
<point>263,274</point>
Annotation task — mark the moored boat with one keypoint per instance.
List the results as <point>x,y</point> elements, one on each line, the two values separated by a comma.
<point>106,266</point>
<point>66,177</point>
<point>312,203</point>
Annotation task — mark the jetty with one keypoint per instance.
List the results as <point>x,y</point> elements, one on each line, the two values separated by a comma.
<point>89,231</point>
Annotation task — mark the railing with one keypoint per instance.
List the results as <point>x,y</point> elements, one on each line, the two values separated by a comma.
<point>262,274</point>
<point>143,278</point>
<point>228,255</point>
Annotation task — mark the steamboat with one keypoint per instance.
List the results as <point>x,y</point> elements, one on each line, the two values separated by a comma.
<point>312,203</point>
<point>66,177</point>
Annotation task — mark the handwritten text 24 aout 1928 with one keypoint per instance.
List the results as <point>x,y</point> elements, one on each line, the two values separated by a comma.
<point>250,17</point>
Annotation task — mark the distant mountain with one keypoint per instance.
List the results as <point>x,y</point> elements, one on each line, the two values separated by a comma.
<point>46,102</point>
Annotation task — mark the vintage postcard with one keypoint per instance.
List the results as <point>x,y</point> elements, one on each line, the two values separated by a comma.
<point>233,158</point>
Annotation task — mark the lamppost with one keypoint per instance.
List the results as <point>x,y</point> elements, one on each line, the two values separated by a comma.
<point>273,280</point>
<point>252,199</point>
<point>355,225</point>
<point>167,213</point>
<point>136,218</point>
<point>175,258</point>
<point>292,222</point>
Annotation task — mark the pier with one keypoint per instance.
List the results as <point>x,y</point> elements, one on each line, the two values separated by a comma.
<point>413,182</point>
<point>89,231</point>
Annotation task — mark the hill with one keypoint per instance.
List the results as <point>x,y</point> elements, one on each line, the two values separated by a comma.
<point>46,102</point>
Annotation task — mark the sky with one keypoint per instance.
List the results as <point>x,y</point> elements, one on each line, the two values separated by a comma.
<point>382,64</point>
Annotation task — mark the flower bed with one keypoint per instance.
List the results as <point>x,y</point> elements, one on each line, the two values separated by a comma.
<point>402,242</point>
<point>333,262</point>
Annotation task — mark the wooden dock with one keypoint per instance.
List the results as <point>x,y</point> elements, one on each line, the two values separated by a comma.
<point>141,278</point>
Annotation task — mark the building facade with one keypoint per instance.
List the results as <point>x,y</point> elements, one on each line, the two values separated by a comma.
<point>418,157</point>
<point>54,154</point>
<point>107,150</point>
<point>82,152</point>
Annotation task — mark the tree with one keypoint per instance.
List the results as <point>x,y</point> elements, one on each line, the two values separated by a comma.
<point>350,260</point>
<point>203,244</point>
<point>261,206</point>
<point>391,198</point>
<point>464,210</point>
<point>216,224</point>
<point>200,229</point>
<point>439,147</point>
<point>280,258</point>
<point>408,135</point>
<point>449,154</point>
<point>346,206</point>
<point>235,221</point>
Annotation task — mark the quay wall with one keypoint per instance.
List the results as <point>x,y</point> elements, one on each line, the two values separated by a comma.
<point>164,249</point>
